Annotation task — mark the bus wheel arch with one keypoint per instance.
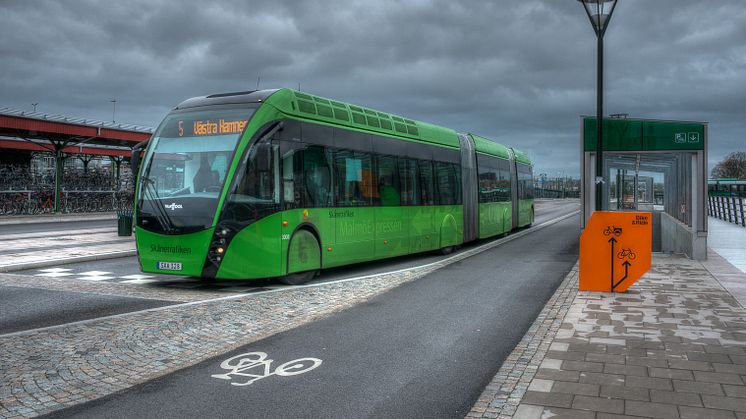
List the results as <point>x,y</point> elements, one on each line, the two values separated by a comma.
<point>448,235</point>
<point>303,255</point>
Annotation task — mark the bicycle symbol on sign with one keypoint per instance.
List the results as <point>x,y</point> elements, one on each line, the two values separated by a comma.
<point>628,253</point>
<point>255,366</point>
<point>616,231</point>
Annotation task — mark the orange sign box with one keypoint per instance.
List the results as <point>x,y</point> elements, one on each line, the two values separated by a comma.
<point>615,250</point>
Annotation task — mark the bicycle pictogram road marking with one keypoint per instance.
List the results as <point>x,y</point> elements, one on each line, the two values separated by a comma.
<point>247,368</point>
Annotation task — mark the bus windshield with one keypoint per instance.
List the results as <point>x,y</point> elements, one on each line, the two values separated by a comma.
<point>185,169</point>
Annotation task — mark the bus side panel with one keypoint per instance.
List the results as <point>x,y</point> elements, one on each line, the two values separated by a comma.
<point>188,249</point>
<point>255,251</point>
<point>423,234</point>
<point>450,219</point>
<point>495,218</point>
<point>392,231</point>
<point>524,212</point>
<point>355,236</point>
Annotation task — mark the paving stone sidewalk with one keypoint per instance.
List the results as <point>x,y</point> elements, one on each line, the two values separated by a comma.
<point>673,346</point>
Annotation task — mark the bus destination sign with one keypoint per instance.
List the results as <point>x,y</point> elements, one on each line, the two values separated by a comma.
<point>211,127</point>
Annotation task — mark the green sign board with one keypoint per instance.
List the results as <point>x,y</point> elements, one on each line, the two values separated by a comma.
<point>644,135</point>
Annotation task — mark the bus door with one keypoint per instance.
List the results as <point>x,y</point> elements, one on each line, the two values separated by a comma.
<point>424,235</point>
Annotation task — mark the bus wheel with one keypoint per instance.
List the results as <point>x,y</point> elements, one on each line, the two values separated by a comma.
<point>304,258</point>
<point>298,278</point>
<point>447,250</point>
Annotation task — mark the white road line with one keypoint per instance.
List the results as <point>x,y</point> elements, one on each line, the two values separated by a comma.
<point>447,261</point>
<point>139,281</point>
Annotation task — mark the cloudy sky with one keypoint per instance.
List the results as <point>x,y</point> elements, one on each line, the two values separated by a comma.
<point>518,71</point>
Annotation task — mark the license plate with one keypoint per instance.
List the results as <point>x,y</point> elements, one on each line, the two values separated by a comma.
<point>169,266</point>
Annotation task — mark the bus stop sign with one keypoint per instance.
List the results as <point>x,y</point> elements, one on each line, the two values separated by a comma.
<point>615,250</point>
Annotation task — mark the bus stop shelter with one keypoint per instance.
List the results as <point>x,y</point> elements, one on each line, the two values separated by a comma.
<point>651,165</point>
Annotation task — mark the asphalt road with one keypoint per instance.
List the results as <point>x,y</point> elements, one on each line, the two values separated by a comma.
<point>425,349</point>
<point>124,267</point>
<point>31,308</point>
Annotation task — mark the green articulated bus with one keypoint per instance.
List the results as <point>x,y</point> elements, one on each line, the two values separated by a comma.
<point>279,183</point>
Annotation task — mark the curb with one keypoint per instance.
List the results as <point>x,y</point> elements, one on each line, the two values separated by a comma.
<point>65,261</point>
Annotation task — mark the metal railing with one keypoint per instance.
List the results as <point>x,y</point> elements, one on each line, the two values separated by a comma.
<point>555,193</point>
<point>727,208</point>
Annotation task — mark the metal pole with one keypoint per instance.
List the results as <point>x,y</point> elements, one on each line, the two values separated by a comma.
<point>57,178</point>
<point>599,123</point>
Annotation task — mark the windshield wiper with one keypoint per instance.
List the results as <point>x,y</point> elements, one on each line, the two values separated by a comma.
<point>159,213</point>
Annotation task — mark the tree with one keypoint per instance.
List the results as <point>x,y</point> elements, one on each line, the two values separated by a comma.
<point>732,166</point>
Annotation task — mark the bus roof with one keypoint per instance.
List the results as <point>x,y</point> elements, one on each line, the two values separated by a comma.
<point>307,106</point>
<point>487,146</point>
<point>521,157</point>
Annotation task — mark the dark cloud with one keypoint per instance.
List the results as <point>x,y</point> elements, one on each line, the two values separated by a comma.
<point>518,71</point>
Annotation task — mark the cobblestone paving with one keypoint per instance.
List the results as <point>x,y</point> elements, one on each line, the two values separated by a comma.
<point>51,368</point>
<point>673,346</point>
<point>151,291</point>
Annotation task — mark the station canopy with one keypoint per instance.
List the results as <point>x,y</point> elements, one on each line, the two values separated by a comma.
<point>32,131</point>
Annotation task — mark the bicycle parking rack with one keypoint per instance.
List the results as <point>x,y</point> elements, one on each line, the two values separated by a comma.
<point>651,165</point>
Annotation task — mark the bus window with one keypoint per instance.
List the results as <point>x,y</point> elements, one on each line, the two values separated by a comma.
<point>488,182</point>
<point>427,195</point>
<point>503,181</point>
<point>257,192</point>
<point>317,177</point>
<point>355,184</point>
<point>525,182</point>
<point>317,134</point>
<point>292,171</point>
<point>388,181</point>
<point>408,181</point>
<point>449,183</point>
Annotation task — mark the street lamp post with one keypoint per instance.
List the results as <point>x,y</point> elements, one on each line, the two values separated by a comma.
<point>599,13</point>
<point>113,111</point>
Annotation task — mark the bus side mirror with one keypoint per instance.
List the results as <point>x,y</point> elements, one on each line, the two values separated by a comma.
<point>136,156</point>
